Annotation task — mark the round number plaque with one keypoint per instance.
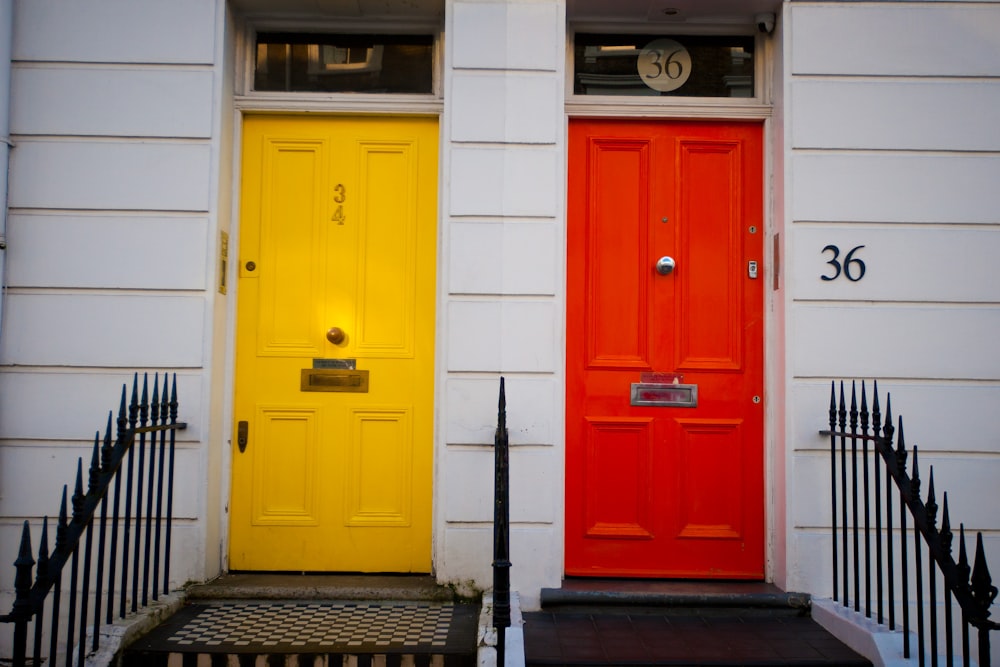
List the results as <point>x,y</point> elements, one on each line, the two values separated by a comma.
<point>664,65</point>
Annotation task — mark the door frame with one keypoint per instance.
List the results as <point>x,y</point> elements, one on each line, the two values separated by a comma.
<point>322,120</point>
<point>237,103</point>
<point>760,108</point>
<point>228,412</point>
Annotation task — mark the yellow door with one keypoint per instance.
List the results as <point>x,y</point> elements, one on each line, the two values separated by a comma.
<point>333,425</point>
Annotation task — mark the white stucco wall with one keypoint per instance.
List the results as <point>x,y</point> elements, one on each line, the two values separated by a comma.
<point>111,260</point>
<point>891,126</point>
<point>884,135</point>
<point>501,277</point>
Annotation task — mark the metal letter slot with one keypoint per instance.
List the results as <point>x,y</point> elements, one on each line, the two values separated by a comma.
<point>656,395</point>
<point>334,379</point>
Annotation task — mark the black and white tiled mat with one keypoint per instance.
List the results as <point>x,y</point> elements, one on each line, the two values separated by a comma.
<point>317,627</point>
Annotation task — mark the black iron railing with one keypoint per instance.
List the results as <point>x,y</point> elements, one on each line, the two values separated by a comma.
<point>860,524</point>
<point>137,542</point>
<point>501,529</point>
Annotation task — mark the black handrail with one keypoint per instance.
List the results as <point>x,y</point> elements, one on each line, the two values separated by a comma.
<point>970,587</point>
<point>104,477</point>
<point>501,529</point>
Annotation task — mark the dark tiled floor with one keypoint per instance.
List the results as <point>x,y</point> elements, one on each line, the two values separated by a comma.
<point>658,637</point>
<point>320,627</point>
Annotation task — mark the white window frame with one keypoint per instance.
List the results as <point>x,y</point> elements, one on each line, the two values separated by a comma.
<point>247,99</point>
<point>623,106</point>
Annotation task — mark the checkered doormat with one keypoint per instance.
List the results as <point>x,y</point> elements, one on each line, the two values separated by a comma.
<point>289,627</point>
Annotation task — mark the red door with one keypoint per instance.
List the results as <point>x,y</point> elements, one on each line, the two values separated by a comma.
<point>675,489</point>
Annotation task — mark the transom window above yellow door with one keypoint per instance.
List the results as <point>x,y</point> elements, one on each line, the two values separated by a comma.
<point>343,63</point>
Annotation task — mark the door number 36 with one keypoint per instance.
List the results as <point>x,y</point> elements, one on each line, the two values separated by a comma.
<point>851,267</point>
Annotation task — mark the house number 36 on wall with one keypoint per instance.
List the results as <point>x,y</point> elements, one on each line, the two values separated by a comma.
<point>851,267</point>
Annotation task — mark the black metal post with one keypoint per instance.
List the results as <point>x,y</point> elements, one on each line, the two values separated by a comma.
<point>888,431</point>
<point>866,492</point>
<point>170,482</point>
<point>877,463</point>
<point>842,422</point>
<point>140,473</point>
<point>833,485</point>
<point>22,611</point>
<point>984,593</point>
<point>129,444</point>
<point>501,530</point>
<point>854,504</point>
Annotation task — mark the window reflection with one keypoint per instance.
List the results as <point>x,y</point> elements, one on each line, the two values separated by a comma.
<point>344,63</point>
<point>606,64</point>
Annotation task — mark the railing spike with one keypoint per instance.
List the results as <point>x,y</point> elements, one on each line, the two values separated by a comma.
<point>833,404</point>
<point>78,496</point>
<point>107,451</point>
<point>945,533</point>
<point>876,416</point>
<point>901,450</point>
<point>62,524</point>
<point>502,406</point>
<point>133,404</point>
<point>888,429</point>
<point>94,474</point>
<point>144,401</point>
<point>864,407</point>
<point>963,557</point>
<point>43,552</point>
<point>165,398</point>
<point>173,399</point>
<point>156,398</point>
<point>854,405</point>
<point>842,412</point>
<point>983,590</point>
<point>122,420</point>
<point>915,475</point>
<point>24,564</point>
<point>931,506</point>
<point>23,609</point>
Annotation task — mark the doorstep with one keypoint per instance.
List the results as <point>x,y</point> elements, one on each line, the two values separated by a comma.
<point>283,619</point>
<point>640,622</point>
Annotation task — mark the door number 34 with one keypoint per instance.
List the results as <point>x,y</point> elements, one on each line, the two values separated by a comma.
<point>851,267</point>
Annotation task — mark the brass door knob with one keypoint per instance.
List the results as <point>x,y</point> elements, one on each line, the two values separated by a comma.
<point>336,335</point>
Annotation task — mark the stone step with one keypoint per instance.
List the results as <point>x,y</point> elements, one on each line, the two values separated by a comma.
<point>283,586</point>
<point>595,622</point>
<point>582,593</point>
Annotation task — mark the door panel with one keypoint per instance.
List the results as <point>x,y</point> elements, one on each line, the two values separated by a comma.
<point>619,475</point>
<point>337,230</point>
<point>284,477</point>
<point>664,491</point>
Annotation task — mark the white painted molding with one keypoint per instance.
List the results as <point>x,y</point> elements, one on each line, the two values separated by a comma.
<point>875,642</point>
<point>514,636</point>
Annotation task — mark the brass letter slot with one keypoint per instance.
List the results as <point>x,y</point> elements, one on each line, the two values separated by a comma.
<point>334,379</point>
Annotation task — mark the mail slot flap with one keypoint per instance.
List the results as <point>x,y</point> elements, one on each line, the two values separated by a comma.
<point>334,379</point>
<point>654,394</point>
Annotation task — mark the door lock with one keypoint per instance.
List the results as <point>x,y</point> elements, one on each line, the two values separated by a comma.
<point>242,431</point>
<point>752,270</point>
